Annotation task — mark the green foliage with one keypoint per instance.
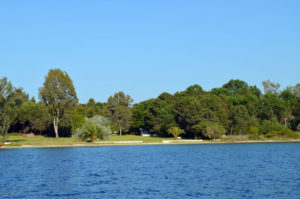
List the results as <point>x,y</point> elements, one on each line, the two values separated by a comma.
<point>91,131</point>
<point>214,131</point>
<point>59,94</point>
<point>273,134</point>
<point>284,133</point>
<point>253,133</point>
<point>33,117</point>
<point>235,85</point>
<point>270,126</point>
<point>239,118</point>
<point>154,115</point>
<point>93,128</point>
<point>194,90</point>
<point>77,120</point>
<point>288,133</point>
<point>272,106</point>
<point>119,110</point>
<point>190,111</point>
<point>236,108</point>
<point>298,127</point>
<point>175,131</point>
<point>11,99</point>
<point>93,108</point>
<point>3,139</point>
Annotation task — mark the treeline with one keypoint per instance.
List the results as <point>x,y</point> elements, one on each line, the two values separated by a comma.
<point>234,109</point>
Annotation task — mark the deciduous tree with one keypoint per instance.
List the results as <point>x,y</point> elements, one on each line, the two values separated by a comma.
<point>119,110</point>
<point>59,94</point>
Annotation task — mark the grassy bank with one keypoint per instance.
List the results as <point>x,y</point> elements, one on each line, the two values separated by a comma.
<point>38,140</point>
<point>41,141</point>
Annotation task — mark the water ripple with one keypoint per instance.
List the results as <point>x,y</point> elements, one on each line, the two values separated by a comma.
<point>176,171</point>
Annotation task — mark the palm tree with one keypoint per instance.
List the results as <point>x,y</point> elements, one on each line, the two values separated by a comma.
<point>92,131</point>
<point>175,131</point>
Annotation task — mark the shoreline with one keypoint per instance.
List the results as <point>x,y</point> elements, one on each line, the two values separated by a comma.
<point>150,143</point>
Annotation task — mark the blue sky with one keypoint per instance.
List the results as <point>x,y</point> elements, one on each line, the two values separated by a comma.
<point>147,47</point>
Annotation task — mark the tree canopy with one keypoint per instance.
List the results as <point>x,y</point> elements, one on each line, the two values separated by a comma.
<point>58,93</point>
<point>236,108</point>
<point>119,110</point>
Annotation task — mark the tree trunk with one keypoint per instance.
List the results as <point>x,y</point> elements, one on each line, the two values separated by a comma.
<point>55,125</point>
<point>285,119</point>
<point>120,131</point>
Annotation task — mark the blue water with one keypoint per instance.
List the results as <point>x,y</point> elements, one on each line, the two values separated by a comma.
<point>174,171</point>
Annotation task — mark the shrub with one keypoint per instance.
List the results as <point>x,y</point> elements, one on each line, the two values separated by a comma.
<point>214,131</point>
<point>253,133</point>
<point>298,127</point>
<point>93,128</point>
<point>288,133</point>
<point>285,133</point>
<point>175,131</point>
<point>3,139</point>
<point>273,134</point>
<point>268,126</point>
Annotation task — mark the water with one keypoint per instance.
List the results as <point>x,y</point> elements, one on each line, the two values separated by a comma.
<point>174,171</point>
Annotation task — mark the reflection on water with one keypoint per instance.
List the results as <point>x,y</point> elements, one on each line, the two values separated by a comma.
<point>177,171</point>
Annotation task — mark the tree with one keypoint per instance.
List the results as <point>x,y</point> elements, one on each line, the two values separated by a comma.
<point>253,132</point>
<point>77,120</point>
<point>272,106</point>
<point>6,91</point>
<point>175,131</point>
<point>33,117</point>
<point>119,110</point>
<point>10,99</point>
<point>214,131</point>
<point>59,94</point>
<point>239,118</point>
<point>234,85</point>
<point>271,87</point>
<point>96,127</point>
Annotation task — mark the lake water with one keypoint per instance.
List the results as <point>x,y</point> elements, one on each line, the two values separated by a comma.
<point>269,170</point>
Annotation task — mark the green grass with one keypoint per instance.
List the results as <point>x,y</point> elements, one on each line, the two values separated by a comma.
<point>137,138</point>
<point>18,140</point>
<point>38,140</point>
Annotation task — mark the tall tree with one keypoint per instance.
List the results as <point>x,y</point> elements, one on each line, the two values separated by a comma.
<point>10,99</point>
<point>59,94</point>
<point>271,87</point>
<point>295,90</point>
<point>33,117</point>
<point>119,110</point>
<point>234,85</point>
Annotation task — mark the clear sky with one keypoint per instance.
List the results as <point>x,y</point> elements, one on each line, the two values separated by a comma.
<point>147,47</point>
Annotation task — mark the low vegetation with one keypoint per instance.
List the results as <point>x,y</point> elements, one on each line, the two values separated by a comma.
<point>176,132</point>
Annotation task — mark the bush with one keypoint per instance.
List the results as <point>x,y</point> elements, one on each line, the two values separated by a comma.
<point>2,139</point>
<point>285,133</point>
<point>253,133</point>
<point>214,131</point>
<point>288,133</point>
<point>93,128</point>
<point>273,134</point>
<point>268,126</point>
<point>298,127</point>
